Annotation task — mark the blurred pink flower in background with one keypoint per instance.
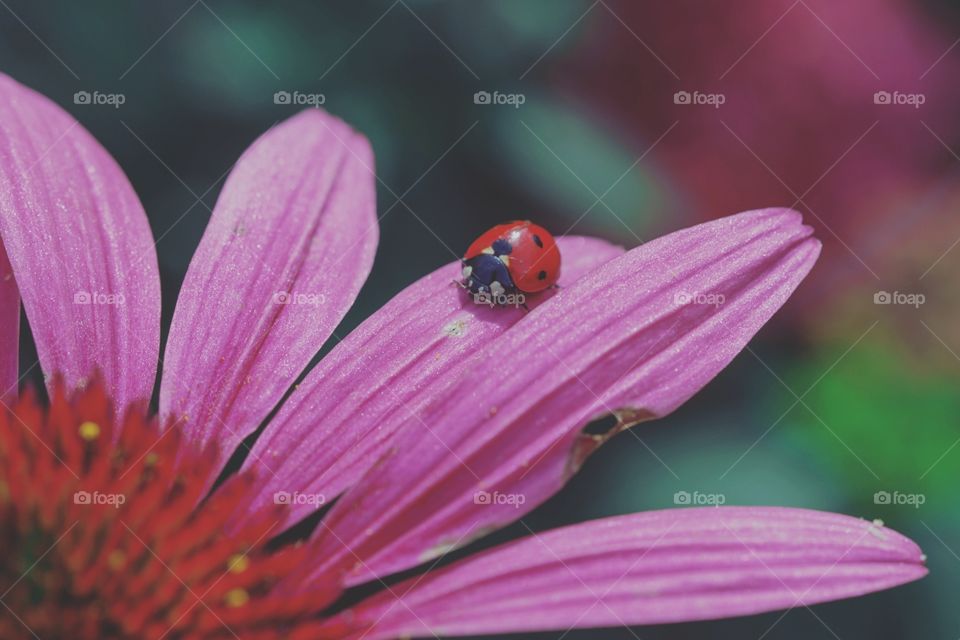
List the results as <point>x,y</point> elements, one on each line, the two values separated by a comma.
<point>799,125</point>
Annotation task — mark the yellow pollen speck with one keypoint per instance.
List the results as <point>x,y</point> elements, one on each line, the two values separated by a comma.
<point>116,560</point>
<point>238,563</point>
<point>89,431</point>
<point>455,328</point>
<point>237,597</point>
<point>151,459</point>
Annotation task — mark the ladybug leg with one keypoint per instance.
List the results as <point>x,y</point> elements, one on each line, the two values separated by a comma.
<point>465,281</point>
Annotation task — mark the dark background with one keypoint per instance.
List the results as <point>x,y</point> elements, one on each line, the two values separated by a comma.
<point>839,398</point>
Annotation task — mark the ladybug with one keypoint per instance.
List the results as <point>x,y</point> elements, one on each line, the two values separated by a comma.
<point>515,257</point>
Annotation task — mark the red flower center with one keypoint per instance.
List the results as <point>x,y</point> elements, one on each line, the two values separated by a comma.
<point>106,533</point>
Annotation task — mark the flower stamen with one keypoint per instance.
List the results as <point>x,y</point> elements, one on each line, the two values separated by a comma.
<point>107,533</point>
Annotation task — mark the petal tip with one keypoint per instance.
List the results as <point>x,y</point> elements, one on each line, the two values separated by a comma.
<point>321,120</point>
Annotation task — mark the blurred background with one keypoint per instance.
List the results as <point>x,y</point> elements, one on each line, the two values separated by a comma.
<point>626,120</point>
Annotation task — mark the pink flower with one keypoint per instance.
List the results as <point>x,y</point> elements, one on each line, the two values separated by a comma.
<point>435,422</point>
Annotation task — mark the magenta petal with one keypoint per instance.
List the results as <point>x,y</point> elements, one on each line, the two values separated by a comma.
<point>290,243</point>
<point>625,338</point>
<point>9,329</point>
<point>650,568</point>
<point>80,247</point>
<point>338,421</point>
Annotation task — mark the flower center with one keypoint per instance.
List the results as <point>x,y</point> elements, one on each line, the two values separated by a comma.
<point>106,533</point>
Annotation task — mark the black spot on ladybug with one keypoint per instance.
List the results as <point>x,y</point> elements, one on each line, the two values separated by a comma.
<point>542,275</point>
<point>539,242</point>
<point>501,247</point>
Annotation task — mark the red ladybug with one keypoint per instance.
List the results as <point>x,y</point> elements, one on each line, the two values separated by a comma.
<point>517,256</point>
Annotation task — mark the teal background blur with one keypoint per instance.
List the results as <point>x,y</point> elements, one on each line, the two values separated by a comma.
<point>838,400</point>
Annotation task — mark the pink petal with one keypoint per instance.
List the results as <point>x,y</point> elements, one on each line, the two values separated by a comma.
<point>80,246</point>
<point>9,330</point>
<point>624,338</point>
<point>338,421</point>
<point>650,568</point>
<point>289,245</point>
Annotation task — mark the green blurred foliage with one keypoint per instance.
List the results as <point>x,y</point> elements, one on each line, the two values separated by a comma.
<point>581,168</point>
<point>881,424</point>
